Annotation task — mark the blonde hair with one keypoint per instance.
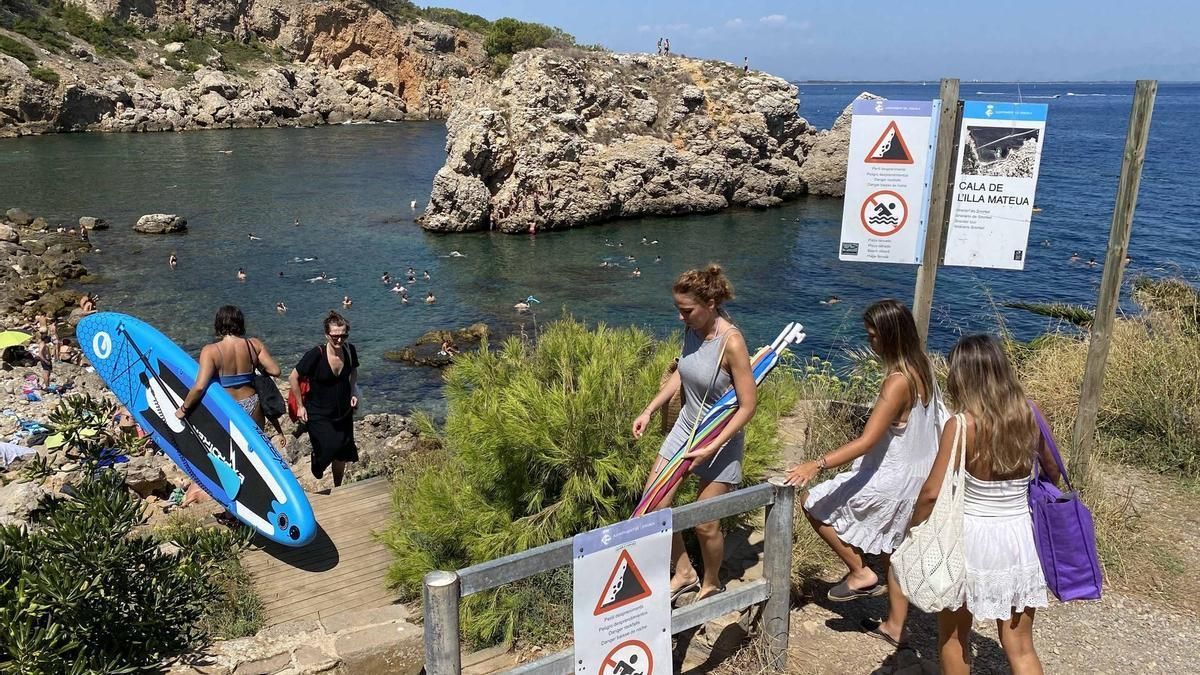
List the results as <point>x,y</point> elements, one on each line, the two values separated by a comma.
<point>706,285</point>
<point>982,382</point>
<point>900,345</point>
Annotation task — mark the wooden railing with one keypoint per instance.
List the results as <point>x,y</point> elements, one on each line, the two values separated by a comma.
<point>444,590</point>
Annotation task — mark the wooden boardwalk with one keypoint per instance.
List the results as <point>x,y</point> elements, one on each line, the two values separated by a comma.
<point>341,571</point>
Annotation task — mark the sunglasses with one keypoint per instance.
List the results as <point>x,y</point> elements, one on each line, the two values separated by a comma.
<point>338,336</point>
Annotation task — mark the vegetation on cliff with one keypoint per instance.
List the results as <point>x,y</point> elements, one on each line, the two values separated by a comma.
<point>88,589</point>
<point>536,448</point>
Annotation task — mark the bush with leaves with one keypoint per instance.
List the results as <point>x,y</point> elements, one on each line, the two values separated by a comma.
<point>536,448</point>
<point>86,590</point>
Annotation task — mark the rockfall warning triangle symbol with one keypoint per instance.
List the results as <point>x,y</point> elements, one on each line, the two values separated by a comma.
<point>890,148</point>
<point>625,585</point>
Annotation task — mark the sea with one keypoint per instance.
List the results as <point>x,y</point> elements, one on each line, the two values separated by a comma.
<point>351,188</point>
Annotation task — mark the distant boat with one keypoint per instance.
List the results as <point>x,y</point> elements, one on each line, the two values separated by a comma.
<point>1037,209</point>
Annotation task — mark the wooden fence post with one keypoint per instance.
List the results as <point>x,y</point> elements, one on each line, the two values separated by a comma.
<point>777,568</point>
<point>939,205</point>
<point>1084,436</point>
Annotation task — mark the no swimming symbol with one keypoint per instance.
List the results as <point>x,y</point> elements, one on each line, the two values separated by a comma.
<point>884,213</point>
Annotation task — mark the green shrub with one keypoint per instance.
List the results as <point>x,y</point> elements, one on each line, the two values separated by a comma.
<point>18,51</point>
<point>107,35</point>
<point>47,75</point>
<point>537,447</point>
<point>86,590</point>
<point>509,36</point>
<point>456,18</point>
<point>43,30</point>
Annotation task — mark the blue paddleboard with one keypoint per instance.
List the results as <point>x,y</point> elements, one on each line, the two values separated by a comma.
<point>218,445</point>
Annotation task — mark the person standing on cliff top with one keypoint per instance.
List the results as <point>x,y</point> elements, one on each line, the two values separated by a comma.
<point>666,46</point>
<point>745,64</point>
<point>659,51</point>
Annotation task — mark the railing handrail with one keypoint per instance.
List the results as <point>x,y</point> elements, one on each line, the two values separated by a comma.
<point>444,590</point>
<point>493,573</point>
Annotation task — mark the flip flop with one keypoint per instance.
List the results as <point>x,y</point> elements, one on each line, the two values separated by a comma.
<point>716,592</point>
<point>686,588</point>
<point>871,627</point>
<point>843,593</point>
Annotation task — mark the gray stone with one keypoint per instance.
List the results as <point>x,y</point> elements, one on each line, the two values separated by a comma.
<point>9,234</point>
<point>144,474</point>
<point>93,223</point>
<point>363,618</point>
<point>824,167</point>
<point>215,81</point>
<point>395,648</point>
<point>173,47</point>
<point>160,223</point>
<point>309,660</point>
<point>264,666</point>
<point>18,217</point>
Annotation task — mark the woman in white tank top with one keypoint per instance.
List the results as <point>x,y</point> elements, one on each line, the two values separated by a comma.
<point>1004,580</point>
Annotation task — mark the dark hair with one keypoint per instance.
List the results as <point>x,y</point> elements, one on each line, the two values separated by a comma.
<point>229,321</point>
<point>900,343</point>
<point>335,319</point>
<point>706,285</point>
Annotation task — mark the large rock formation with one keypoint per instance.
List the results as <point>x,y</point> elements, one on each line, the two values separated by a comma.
<point>824,168</point>
<point>568,137</point>
<point>338,61</point>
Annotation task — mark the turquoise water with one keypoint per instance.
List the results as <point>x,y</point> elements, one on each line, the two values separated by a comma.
<point>351,187</point>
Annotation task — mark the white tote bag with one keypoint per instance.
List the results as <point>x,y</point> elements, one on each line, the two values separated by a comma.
<point>929,564</point>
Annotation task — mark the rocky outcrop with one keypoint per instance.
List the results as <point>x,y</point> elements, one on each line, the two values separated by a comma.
<point>824,168</point>
<point>36,260</point>
<point>160,223</point>
<point>427,350</point>
<point>568,137</point>
<point>337,61</point>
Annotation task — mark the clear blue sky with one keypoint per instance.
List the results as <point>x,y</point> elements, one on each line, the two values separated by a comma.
<point>1020,40</point>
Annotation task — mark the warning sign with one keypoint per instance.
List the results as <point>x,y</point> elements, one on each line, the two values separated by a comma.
<point>628,658</point>
<point>884,213</point>
<point>887,180</point>
<point>890,148</point>
<point>625,585</point>
<point>622,606</point>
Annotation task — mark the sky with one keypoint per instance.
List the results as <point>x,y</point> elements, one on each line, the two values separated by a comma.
<point>1018,40</point>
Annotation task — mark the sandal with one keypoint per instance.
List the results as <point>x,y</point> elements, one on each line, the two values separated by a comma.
<point>843,593</point>
<point>871,627</point>
<point>721,589</point>
<point>686,588</point>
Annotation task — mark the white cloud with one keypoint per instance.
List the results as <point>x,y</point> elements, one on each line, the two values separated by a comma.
<point>735,23</point>
<point>773,20</point>
<point>643,28</point>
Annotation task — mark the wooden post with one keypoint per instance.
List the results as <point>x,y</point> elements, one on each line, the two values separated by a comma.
<point>1110,286</point>
<point>777,569</point>
<point>440,597</point>
<point>939,205</point>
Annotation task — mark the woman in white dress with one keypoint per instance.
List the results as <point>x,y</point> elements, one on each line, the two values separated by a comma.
<point>867,508</point>
<point>1004,579</point>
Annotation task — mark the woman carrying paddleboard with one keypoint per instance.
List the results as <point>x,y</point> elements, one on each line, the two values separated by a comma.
<point>714,356</point>
<point>232,359</point>
<point>328,408</point>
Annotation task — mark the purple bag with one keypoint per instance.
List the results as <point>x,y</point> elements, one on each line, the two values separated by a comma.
<point>1063,531</point>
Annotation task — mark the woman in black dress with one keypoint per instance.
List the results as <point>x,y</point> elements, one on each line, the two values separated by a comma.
<point>328,407</point>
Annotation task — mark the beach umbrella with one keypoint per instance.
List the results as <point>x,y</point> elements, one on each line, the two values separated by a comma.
<point>12,338</point>
<point>713,420</point>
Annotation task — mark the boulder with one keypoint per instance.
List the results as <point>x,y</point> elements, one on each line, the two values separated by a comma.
<point>214,105</point>
<point>18,217</point>
<point>160,223</point>
<point>93,223</point>
<point>427,350</point>
<point>215,81</point>
<point>824,167</point>
<point>9,234</point>
<point>144,474</point>
<point>173,47</point>
<point>171,99</point>
<point>84,105</point>
<point>18,501</point>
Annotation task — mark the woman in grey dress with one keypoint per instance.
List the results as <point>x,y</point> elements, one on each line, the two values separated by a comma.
<point>714,357</point>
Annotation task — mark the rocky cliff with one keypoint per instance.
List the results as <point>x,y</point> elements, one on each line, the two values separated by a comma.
<point>298,64</point>
<point>568,137</point>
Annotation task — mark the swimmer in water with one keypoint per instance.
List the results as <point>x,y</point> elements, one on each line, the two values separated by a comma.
<point>637,271</point>
<point>297,223</point>
<point>404,299</point>
<point>254,238</point>
<point>1091,262</point>
<point>521,307</point>
<point>280,307</point>
<point>173,261</point>
<point>346,301</point>
<point>1075,257</point>
<point>241,274</point>
<point>456,254</point>
<point>658,258</point>
<point>631,258</point>
<point>425,275</point>
<point>386,278</point>
<point>398,289</point>
<point>413,205</point>
<point>429,299</point>
<point>831,300</point>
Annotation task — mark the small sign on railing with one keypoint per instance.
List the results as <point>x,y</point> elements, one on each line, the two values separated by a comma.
<point>623,597</point>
